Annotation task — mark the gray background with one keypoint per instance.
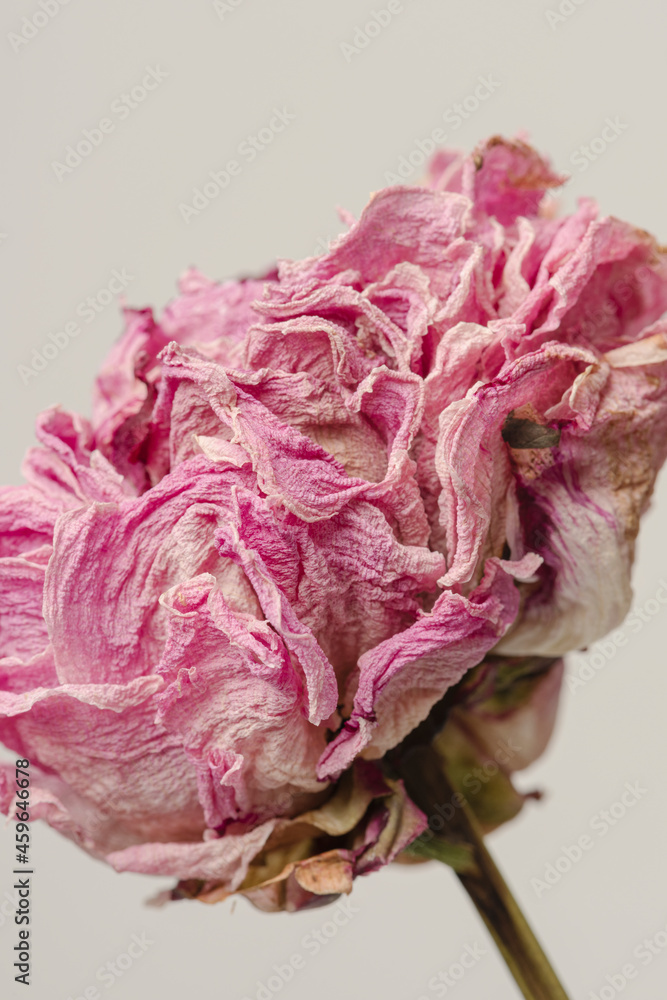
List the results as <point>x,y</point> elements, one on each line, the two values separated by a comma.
<point>59,242</point>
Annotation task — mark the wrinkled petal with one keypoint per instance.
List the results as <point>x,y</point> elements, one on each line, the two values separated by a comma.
<point>112,562</point>
<point>582,514</point>
<point>235,698</point>
<point>226,858</point>
<point>403,677</point>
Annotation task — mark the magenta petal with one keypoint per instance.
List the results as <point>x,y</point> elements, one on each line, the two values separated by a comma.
<point>403,677</point>
<point>235,699</point>
<point>111,563</point>
<point>225,860</point>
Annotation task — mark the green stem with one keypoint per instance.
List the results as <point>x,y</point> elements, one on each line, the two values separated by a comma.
<point>462,846</point>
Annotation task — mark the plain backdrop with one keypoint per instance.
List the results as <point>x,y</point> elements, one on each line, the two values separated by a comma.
<point>220,72</point>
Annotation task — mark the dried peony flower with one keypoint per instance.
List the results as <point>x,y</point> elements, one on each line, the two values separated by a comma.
<point>312,508</point>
